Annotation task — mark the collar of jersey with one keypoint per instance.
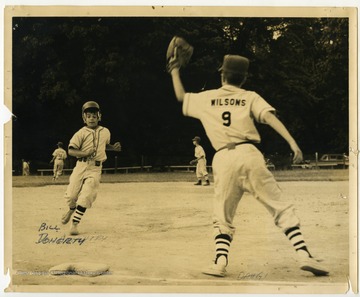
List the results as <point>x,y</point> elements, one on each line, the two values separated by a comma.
<point>230,88</point>
<point>93,130</point>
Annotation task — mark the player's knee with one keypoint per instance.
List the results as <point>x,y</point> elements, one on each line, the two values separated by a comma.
<point>91,183</point>
<point>262,176</point>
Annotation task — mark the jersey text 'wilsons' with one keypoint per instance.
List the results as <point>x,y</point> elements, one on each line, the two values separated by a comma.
<point>228,101</point>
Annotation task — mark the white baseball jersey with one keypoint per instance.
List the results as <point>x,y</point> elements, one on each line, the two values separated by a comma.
<point>59,154</point>
<point>201,164</point>
<point>87,138</point>
<point>227,114</point>
<point>199,152</point>
<point>85,178</point>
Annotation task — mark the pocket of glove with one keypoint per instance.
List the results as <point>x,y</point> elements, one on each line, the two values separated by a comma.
<point>178,54</point>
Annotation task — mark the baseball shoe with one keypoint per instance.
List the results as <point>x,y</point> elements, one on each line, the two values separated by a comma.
<point>198,183</point>
<point>74,230</point>
<point>215,270</point>
<point>66,217</point>
<point>207,183</point>
<point>310,264</point>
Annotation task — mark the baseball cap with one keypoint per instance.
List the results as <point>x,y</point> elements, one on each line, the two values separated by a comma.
<point>235,63</point>
<point>60,143</point>
<point>197,138</point>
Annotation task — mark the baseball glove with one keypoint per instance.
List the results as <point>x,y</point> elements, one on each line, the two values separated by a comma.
<point>193,162</point>
<point>178,54</point>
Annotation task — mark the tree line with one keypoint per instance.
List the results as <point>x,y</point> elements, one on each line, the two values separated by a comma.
<point>299,65</point>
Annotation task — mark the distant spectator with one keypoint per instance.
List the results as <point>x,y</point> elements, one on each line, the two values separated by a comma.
<point>25,167</point>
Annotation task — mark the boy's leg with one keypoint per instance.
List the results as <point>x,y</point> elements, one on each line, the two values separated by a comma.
<point>228,192</point>
<point>60,168</point>
<point>205,173</point>
<point>72,192</point>
<point>87,196</point>
<point>79,212</point>
<point>198,175</point>
<point>56,174</point>
<point>266,191</point>
<point>54,170</point>
<point>207,181</point>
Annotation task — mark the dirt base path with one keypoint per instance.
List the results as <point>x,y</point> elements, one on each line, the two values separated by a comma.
<point>161,234</point>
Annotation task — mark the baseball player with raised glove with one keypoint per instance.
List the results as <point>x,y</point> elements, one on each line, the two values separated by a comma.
<point>228,116</point>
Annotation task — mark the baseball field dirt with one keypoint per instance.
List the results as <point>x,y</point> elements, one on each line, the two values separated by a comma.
<point>157,237</point>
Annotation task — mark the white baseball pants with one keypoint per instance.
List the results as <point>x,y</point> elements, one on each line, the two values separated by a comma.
<point>201,168</point>
<point>83,185</point>
<point>243,169</point>
<point>58,168</point>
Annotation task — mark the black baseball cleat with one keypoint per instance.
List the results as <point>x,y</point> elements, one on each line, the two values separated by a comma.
<point>310,264</point>
<point>198,183</point>
<point>207,183</point>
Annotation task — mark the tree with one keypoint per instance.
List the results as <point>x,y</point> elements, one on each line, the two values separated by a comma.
<point>299,65</point>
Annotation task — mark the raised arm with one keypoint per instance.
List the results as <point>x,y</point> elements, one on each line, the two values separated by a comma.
<point>270,119</point>
<point>178,85</point>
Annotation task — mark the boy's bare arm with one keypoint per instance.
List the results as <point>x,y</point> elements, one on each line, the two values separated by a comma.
<point>270,119</point>
<point>178,85</point>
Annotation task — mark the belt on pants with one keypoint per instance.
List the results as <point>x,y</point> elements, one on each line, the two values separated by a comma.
<point>232,145</point>
<point>96,163</point>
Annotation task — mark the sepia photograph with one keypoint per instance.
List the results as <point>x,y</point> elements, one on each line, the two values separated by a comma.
<point>181,149</point>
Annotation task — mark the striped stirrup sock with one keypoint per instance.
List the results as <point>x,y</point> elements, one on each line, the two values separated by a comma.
<point>79,212</point>
<point>297,239</point>
<point>222,245</point>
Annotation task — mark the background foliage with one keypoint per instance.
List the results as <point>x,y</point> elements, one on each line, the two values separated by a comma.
<point>299,65</point>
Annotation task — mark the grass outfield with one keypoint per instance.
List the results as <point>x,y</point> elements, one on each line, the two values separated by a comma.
<point>286,175</point>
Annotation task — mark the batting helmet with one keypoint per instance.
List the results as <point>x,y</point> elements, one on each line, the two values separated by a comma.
<point>197,139</point>
<point>91,106</point>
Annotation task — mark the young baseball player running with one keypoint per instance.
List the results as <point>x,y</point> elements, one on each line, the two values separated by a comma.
<point>88,145</point>
<point>228,115</point>
<point>59,155</point>
<point>200,162</point>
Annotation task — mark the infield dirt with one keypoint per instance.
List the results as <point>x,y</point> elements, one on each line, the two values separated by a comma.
<point>160,234</point>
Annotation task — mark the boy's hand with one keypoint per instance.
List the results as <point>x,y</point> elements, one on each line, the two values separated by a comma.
<point>298,156</point>
<point>117,147</point>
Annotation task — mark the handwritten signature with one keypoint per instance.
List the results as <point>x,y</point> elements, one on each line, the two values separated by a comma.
<point>243,275</point>
<point>45,236</point>
<point>44,227</point>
